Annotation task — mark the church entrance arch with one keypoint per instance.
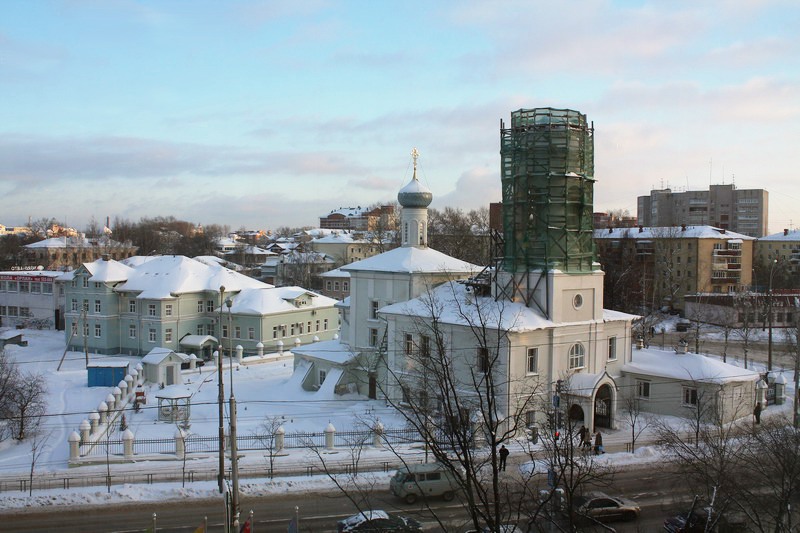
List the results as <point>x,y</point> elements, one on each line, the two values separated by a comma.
<point>602,407</point>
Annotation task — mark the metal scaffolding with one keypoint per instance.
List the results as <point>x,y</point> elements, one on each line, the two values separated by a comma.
<point>547,179</point>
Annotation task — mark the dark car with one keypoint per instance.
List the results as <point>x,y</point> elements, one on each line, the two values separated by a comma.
<point>377,522</point>
<point>686,523</point>
<point>604,508</point>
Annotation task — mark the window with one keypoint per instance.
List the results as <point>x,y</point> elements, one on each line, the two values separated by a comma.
<point>336,285</point>
<point>373,310</point>
<point>86,282</point>
<point>25,311</point>
<point>24,286</point>
<point>576,356</point>
<point>3,286</point>
<point>97,330</point>
<point>643,389</point>
<point>74,328</point>
<point>251,333</point>
<point>36,287</point>
<point>274,332</point>
<point>317,326</point>
<point>328,285</point>
<point>2,309</point>
<point>132,331</point>
<point>322,376</point>
<point>97,306</point>
<point>97,285</point>
<point>131,306</point>
<point>530,419</point>
<point>151,335</point>
<point>85,329</point>
<point>209,329</point>
<point>237,332</point>
<point>300,327</point>
<point>689,397</point>
<point>85,306</point>
<point>200,329</point>
<point>74,304</point>
<point>168,310</point>
<point>483,359</point>
<point>308,327</point>
<point>168,335</point>
<point>210,306</point>
<point>47,288</point>
<point>12,286</point>
<point>199,306</point>
<point>224,330</point>
<point>424,346</point>
<point>533,360</point>
<point>612,348</point>
<point>577,301</point>
<point>292,329</point>
<point>325,324</point>
<point>409,344</point>
<point>345,286</point>
<point>373,337</point>
<point>151,309</point>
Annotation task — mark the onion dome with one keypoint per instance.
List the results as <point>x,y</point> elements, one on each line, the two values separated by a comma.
<point>415,194</point>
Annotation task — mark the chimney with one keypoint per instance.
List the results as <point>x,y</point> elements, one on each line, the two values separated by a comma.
<point>641,229</point>
<point>722,231</point>
<point>785,231</point>
<point>610,229</point>
<point>683,227</point>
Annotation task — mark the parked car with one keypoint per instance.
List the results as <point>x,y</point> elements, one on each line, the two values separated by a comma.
<point>378,521</point>
<point>683,325</point>
<point>696,521</point>
<point>600,506</point>
<point>423,480</point>
<point>504,528</point>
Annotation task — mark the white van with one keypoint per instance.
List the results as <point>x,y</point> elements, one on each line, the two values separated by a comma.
<point>423,480</point>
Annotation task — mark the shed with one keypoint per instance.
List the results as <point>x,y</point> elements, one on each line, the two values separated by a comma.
<point>163,366</point>
<point>11,337</point>
<point>107,373</point>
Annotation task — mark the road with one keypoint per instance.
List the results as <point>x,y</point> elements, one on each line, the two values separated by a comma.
<point>659,495</point>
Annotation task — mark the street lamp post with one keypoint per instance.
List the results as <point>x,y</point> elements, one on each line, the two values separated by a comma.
<point>221,398</point>
<point>234,449</point>
<point>769,310</point>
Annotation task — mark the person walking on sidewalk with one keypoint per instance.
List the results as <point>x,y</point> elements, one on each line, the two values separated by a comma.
<point>598,444</point>
<point>757,413</point>
<point>503,456</point>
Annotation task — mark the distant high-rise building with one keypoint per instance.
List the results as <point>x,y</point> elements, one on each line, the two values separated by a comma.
<point>723,206</point>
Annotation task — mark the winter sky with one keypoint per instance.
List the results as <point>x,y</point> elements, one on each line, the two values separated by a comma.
<point>271,113</point>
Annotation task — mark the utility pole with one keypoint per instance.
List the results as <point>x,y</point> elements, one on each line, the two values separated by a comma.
<point>769,317</point>
<point>221,398</point>
<point>85,328</point>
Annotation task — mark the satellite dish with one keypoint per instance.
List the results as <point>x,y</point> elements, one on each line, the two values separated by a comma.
<point>40,267</point>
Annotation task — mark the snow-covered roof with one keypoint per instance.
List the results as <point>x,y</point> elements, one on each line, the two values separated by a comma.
<point>686,367</point>
<point>108,271</point>
<point>335,273</point>
<point>793,235</point>
<point>108,363</point>
<point>412,260</point>
<point>454,305</point>
<point>167,276</point>
<point>348,211</point>
<point>60,242</point>
<point>583,384</point>
<point>338,238</point>
<point>34,273</point>
<point>334,351</point>
<point>158,354</point>
<point>197,341</point>
<point>670,232</point>
<point>250,250</point>
<point>214,260</point>
<point>270,300</point>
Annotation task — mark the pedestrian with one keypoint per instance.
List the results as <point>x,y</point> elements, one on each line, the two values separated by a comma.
<point>598,444</point>
<point>587,441</point>
<point>503,456</point>
<point>757,413</point>
<point>582,435</point>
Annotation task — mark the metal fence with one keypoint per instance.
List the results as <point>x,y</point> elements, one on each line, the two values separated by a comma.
<point>203,444</point>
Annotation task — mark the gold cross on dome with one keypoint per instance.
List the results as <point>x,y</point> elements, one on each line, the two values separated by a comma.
<point>415,156</point>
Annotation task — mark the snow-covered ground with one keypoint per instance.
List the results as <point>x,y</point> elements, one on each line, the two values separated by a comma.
<point>262,390</point>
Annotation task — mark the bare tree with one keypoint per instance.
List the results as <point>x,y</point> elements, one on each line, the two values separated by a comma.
<point>27,403</point>
<point>38,447</point>
<point>266,435</point>
<point>633,415</point>
<point>747,306</point>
